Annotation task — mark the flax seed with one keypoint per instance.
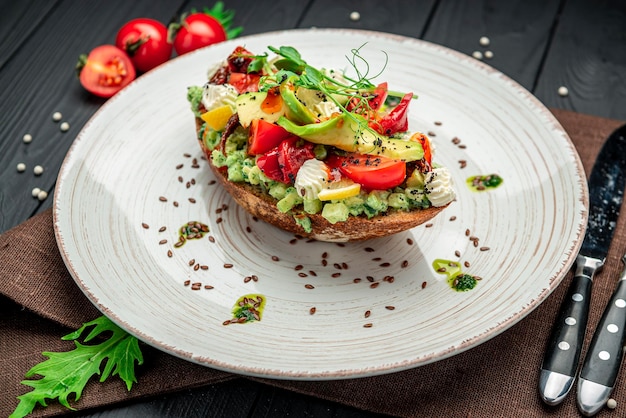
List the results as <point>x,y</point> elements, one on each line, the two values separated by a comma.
<point>369,249</point>
<point>356,280</point>
<point>409,241</point>
<point>180,179</point>
<point>441,270</point>
<point>312,310</point>
<point>466,264</point>
<point>344,266</point>
<point>335,275</point>
<point>255,278</point>
<point>374,285</point>
<point>452,218</point>
<point>175,204</point>
<point>367,314</point>
<point>228,265</point>
<point>324,263</point>
<point>298,267</point>
<point>390,308</point>
<point>302,274</point>
<point>368,325</point>
<point>145,225</point>
<point>457,253</point>
<point>309,286</point>
<point>248,229</point>
<point>208,287</point>
<point>211,183</point>
<point>192,261</point>
<point>169,253</point>
<point>405,264</point>
<point>227,322</point>
<point>186,155</point>
<point>192,200</point>
<point>293,241</point>
<point>325,255</point>
<point>424,284</point>
<point>312,273</point>
<point>218,220</point>
<point>179,244</point>
<point>385,264</point>
<point>484,248</point>
<point>204,267</point>
<point>179,166</point>
<point>428,225</point>
<point>370,279</point>
<point>187,282</point>
<point>196,267</point>
<point>161,229</point>
<point>163,241</point>
<point>196,286</point>
<point>337,266</point>
<point>275,258</point>
<point>188,185</point>
<point>467,232</point>
<point>211,238</point>
<point>247,279</point>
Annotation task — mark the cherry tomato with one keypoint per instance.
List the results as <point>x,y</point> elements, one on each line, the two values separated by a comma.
<point>145,42</point>
<point>105,71</point>
<point>243,82</point>
<point>264,136</point>
<point>198,30</point>
<point>373,172</point>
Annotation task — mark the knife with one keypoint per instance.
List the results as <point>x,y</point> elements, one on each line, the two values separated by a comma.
<point>606,190</point>
<point>604,357</point>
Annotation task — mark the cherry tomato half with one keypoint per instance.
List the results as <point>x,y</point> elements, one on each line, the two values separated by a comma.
<point>198,30</point>
<point>105,71</point>
<point>145,42</point>
<point>373,172</point>
<point>264,136</point>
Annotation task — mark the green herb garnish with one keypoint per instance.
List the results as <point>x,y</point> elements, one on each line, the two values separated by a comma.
<point>67,373</point>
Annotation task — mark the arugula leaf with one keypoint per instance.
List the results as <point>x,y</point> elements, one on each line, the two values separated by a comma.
<point>67,373</point>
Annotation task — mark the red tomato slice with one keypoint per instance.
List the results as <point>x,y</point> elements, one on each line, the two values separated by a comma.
<point>243,82</point>
<point>264,136</point>
<point>373,172</point>
<point>105,71</point>
<point>196,31</point>
<point>425,141</point>
<point>145,42</point>
<point>239,60</point>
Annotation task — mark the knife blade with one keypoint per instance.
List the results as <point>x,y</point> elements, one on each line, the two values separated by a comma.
<point>606,190</point>
<point>604,357</point>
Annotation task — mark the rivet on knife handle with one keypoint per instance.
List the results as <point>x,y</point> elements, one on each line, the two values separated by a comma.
<point>604,357</point>
<point>560,362</point>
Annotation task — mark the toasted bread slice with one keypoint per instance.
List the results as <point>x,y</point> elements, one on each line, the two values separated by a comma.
<point>356,228</point>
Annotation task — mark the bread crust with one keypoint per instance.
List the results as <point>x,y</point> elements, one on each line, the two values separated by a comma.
<point>356,228</point>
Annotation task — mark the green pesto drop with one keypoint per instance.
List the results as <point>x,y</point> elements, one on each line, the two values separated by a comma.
<point>459,281</point>
<point>481,183</point>
<point>191,230</point>
<point>248,308</point>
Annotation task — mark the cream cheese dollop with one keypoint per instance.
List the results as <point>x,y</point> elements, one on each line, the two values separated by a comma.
<point>311,178</point>
<point>215,95</point>
<point>438,187</point>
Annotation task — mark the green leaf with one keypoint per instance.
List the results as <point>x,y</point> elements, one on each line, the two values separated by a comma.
<point>225,17</point>
<point>66,373</point>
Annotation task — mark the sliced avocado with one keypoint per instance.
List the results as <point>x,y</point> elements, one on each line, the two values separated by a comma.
<point>295,110</point>
<point>249,108</point>
<point>349,132</point>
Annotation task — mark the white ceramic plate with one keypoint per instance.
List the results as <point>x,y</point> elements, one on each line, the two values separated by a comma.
<point>127,156</point>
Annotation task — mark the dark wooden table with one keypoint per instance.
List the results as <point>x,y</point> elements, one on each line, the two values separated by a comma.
<point>542,44</point>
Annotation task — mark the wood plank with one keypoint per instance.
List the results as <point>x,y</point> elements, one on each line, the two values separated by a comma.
<point>39,80</point>
<point>519,31</point>
<point>588,56</point>
<point>389,16</point>
<point>18,20</point>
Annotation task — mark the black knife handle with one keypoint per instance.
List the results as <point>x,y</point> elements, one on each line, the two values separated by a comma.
<point>604,357</point>
<point>568,333</point>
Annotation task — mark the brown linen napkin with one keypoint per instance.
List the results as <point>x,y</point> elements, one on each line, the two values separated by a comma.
<point>498,378</point>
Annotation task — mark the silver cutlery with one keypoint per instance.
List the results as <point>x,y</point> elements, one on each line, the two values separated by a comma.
<point>606,190</point>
